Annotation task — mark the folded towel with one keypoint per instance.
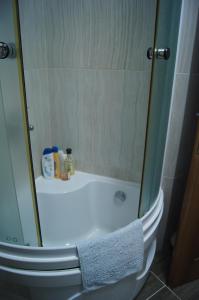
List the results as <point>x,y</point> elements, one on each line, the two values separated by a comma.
<point>108,259</point>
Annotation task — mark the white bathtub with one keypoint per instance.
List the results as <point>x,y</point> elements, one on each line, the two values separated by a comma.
<point>81,208</point>
<point>84,207</point>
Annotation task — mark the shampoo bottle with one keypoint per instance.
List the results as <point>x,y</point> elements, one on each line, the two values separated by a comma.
<point>55,150</point>
<point>48,163</point>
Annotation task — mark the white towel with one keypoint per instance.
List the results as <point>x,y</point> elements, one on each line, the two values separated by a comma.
<point>108,259</point>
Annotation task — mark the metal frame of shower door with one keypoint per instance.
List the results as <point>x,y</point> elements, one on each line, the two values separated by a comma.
<point>19,58</point>
<point>25,113</point>
<point>151,95</point>
<point>149,107</point>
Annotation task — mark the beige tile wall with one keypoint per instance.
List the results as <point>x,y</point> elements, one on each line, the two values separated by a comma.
<point>182,122</point>
<point>87,80</point>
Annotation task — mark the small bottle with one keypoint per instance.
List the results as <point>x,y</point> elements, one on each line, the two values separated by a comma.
<point>69,164</point>
<point>48,163</point>
<point>55,150</point>
<point>63,171</point>
<point>66,171</point>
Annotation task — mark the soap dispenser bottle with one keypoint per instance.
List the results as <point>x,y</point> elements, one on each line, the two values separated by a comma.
<point>70,162</point>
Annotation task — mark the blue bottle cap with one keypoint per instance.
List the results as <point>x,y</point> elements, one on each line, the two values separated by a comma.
<point>47,151</point>
<point>55,149</point>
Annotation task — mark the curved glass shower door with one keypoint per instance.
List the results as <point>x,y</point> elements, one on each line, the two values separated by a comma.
<point>168,17</point>
<point>87,83</point>
<point>10,227</point>
<point>87,80</point>
<point>17,214</point>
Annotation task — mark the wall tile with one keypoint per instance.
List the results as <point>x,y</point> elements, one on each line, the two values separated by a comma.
<point>188,60</point>
<point>167,186</point>
<point>101,114</point>
<point>33,33</point>
<point>183,108</point>
<point>110,34</point>
<point>37,90</point>
<point>87,80</point>
<point>175,124</point>
<point>173,189</point>
<point>189,126</point>
<point>182,122</point>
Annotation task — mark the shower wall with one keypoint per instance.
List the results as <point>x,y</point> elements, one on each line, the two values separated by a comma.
<point>87,80</point>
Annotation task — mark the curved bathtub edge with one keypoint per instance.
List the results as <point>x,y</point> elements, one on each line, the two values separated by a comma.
<point>33,278</point>
<point>77,182</point>
<point>39,258</point>
<point>42,282</point>
<point>158,200</point>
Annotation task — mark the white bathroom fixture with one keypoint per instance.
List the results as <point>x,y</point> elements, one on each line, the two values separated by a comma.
<point>91,208</point>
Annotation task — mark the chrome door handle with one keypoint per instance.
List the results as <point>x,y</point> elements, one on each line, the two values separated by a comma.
<point>160,53</point>
<point>150,53</point>
<point>6,50</point>
<point>31,127</point>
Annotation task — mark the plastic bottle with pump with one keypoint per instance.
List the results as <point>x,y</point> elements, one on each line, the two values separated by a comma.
<point>69,162</point>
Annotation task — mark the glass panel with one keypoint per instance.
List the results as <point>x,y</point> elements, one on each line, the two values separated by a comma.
<point>16,206</point>
<point>87,83</point>
<point>10,225</point>
<point>167,34</point>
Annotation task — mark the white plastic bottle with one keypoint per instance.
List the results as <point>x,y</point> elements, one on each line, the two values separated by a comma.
<point>48,163</point>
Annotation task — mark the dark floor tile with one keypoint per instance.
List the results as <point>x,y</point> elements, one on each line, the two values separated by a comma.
<point>188,291</point>
<point>164,294</point>
<point>150,287</point>
<point>13,292</point>
<point>9,296</point>
<point>160,266</point>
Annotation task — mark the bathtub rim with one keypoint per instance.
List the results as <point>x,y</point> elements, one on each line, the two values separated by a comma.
<point>71,186</point>
<point>51,258</point>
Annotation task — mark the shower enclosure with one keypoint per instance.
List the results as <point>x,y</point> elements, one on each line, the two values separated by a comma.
<point>96,76</point>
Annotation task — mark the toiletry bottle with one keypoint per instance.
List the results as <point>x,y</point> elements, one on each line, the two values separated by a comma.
<point>66,169</point>
<point>55,150</point>
<point>48,163</point>
<point>70,162</point>
<point>63,171</point>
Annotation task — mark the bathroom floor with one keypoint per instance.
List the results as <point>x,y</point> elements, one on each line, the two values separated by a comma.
<point>157,289</point>
<point>154,289</point>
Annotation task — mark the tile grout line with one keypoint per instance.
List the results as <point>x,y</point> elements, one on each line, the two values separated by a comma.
<point>166,286</point>
<point>84,68</point>
<point>155,293</point>
<point>173,292</point>
<point>156,276</point>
